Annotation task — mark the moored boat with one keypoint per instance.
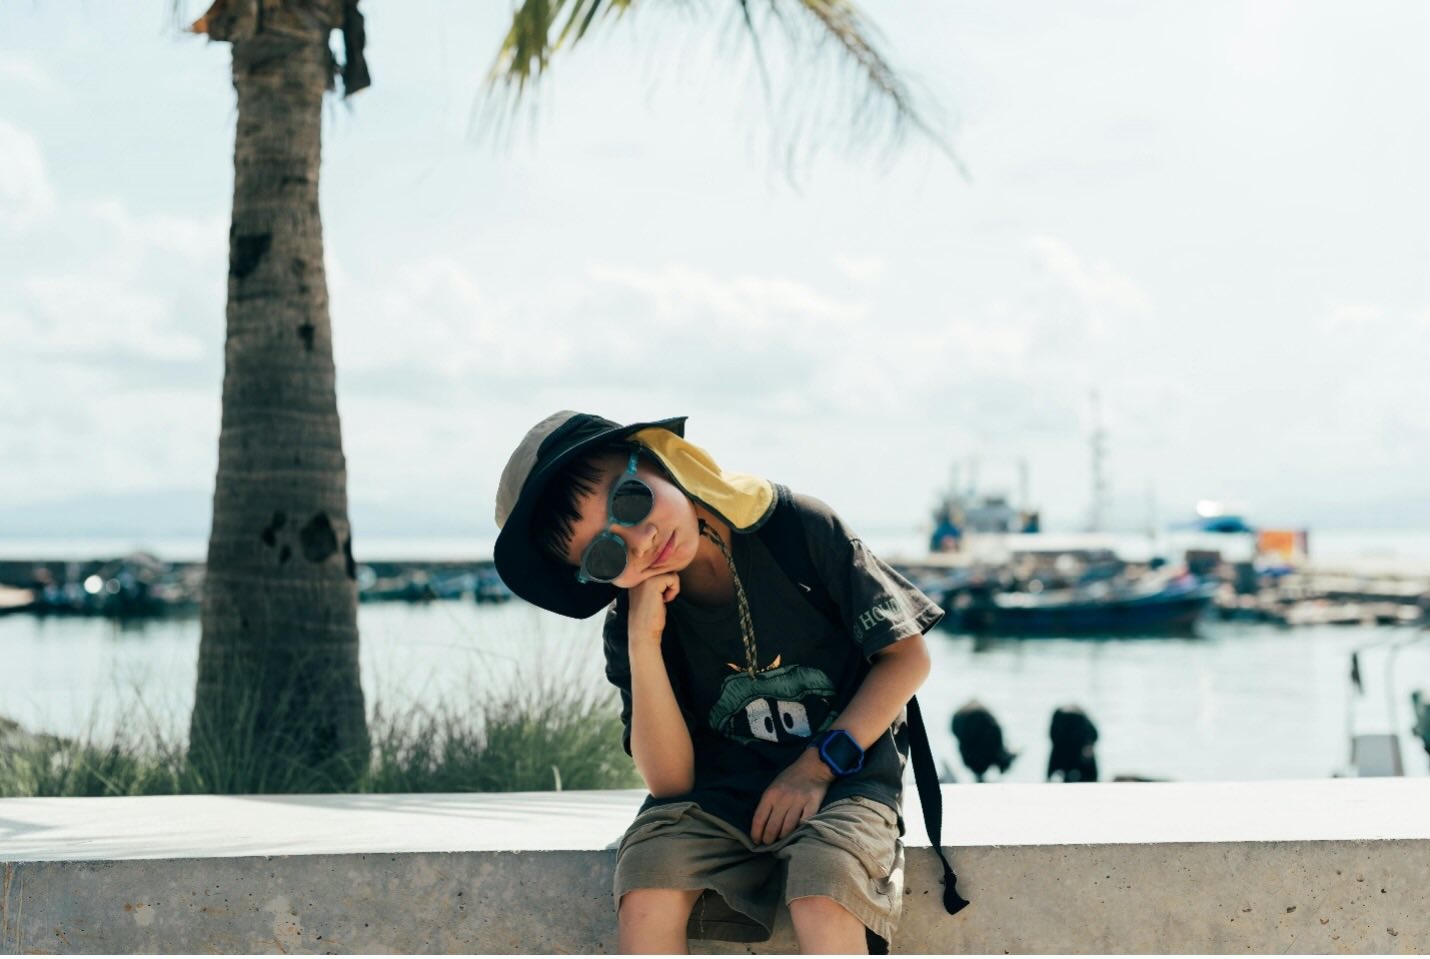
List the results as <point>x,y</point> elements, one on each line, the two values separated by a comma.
<point>1163,607</point>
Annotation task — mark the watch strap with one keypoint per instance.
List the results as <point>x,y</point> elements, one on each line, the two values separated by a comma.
<point>839,751</point>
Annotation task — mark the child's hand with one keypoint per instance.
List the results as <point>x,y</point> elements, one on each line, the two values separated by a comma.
<point>792,798</point>
<point>647,614</point>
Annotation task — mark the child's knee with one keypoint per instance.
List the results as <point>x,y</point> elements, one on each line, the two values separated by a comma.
<point>643,906</point>
<point>817,909</point>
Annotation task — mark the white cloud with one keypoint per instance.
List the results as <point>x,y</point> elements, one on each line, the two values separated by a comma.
<point>1096,285</point>
<point>463,308</point>
<point>996,339</point>
<point>675,329</point>
<point>1257,46</point>
<point>111,325</point>
<point>186,237</point>
<point>125,288</point>
<point>860,269</point>
<point>74,315</point>
<point>1352,318</point>
<point>744,342</point>
<point>429,319</point>
<point>19,71</point>
<point>738,306</point>
<point>26,196</point>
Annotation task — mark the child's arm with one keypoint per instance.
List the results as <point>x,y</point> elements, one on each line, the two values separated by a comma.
<point>660,742</point>
<point>898,672</point>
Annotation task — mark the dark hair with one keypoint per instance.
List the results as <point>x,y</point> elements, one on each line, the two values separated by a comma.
<point>557,510</point>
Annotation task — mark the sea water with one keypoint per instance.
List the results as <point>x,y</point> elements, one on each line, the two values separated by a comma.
<point>1237,702</point>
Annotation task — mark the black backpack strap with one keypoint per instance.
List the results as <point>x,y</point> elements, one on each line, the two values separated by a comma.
<point>783,535</point>
<point>931,799</point>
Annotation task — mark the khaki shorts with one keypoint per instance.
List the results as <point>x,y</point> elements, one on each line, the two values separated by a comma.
<point>849,851</point>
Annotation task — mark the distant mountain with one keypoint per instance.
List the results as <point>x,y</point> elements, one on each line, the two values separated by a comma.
<point>186,514</point>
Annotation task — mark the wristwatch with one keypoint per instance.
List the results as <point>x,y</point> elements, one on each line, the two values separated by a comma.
<point>839,751</point>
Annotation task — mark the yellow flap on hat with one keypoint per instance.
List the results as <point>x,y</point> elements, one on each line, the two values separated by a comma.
<point>742,500</point>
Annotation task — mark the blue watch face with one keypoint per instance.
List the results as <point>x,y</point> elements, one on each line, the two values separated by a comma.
<point>841,753</point>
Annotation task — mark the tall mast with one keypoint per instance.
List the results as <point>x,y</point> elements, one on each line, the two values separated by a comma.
<point>1099,468</point>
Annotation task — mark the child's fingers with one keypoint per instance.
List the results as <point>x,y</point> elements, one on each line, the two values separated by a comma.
<point>762,817</point>
<point>783,819</point>
<point>792,817</point>
<point>773,822</point>
<point>775,831</point>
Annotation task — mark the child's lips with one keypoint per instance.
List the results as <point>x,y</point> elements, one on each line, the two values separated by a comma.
<point>665,551</point>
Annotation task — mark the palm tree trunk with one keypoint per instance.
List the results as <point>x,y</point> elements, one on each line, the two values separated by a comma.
<point>279,705</point>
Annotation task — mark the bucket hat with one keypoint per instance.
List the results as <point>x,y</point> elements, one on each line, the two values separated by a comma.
<point>741,500</point>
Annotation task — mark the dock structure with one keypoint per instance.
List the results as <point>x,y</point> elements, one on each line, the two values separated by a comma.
<point>1371,582</point>
<point>1332,594</point>
<point>1326,866</point>
<point>1368,592</point>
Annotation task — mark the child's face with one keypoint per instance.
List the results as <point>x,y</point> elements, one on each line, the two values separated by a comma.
<point>664,542</point>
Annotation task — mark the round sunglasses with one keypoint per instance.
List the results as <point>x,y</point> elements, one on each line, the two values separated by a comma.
<point>630,501</point>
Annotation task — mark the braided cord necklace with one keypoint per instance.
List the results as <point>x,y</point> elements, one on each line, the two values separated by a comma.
<point>747,627</point>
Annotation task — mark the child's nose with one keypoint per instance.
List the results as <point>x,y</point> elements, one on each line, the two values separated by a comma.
<point>640,539</point>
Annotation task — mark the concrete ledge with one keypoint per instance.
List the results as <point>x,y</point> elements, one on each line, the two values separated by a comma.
<point>1320,866</point>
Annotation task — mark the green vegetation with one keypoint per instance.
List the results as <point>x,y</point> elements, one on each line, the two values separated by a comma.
<point>550,734</point>
<point>541,737</point>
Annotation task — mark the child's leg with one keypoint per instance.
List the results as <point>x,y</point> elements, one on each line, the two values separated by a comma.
<point>845,876</point>
<point>824,927</point>
<point>654,920</point>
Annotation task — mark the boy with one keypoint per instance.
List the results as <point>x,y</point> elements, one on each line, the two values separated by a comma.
<point>769,734</point>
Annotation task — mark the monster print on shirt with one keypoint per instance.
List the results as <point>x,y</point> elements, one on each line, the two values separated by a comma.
<point>780,704</point>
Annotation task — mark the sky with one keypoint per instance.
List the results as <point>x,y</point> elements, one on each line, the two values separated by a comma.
<point>1216,216</point>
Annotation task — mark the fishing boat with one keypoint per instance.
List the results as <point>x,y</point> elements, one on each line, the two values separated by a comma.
<point>1146,607</point>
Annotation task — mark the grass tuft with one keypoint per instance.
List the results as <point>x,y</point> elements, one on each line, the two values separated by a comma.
<point>542,735</point>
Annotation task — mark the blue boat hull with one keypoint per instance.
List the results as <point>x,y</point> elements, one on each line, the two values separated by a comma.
<point>1171,612</point>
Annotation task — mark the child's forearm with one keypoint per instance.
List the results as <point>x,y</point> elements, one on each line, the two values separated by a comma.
<point>660,743</point>
<point>898,672</point>
<point>797,792</point>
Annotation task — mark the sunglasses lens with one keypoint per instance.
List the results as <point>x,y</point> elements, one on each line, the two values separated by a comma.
<point>605,560</point>
<point>631,502</point>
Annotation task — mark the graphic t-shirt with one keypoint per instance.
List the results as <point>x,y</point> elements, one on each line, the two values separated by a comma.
<point>746,729</point>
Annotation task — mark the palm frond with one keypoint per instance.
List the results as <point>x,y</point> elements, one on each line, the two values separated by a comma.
<point>881,97</point>
<point>855,35</point>
<point>754,33</point>
<point>882,105</point>
<point>534,36</point>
